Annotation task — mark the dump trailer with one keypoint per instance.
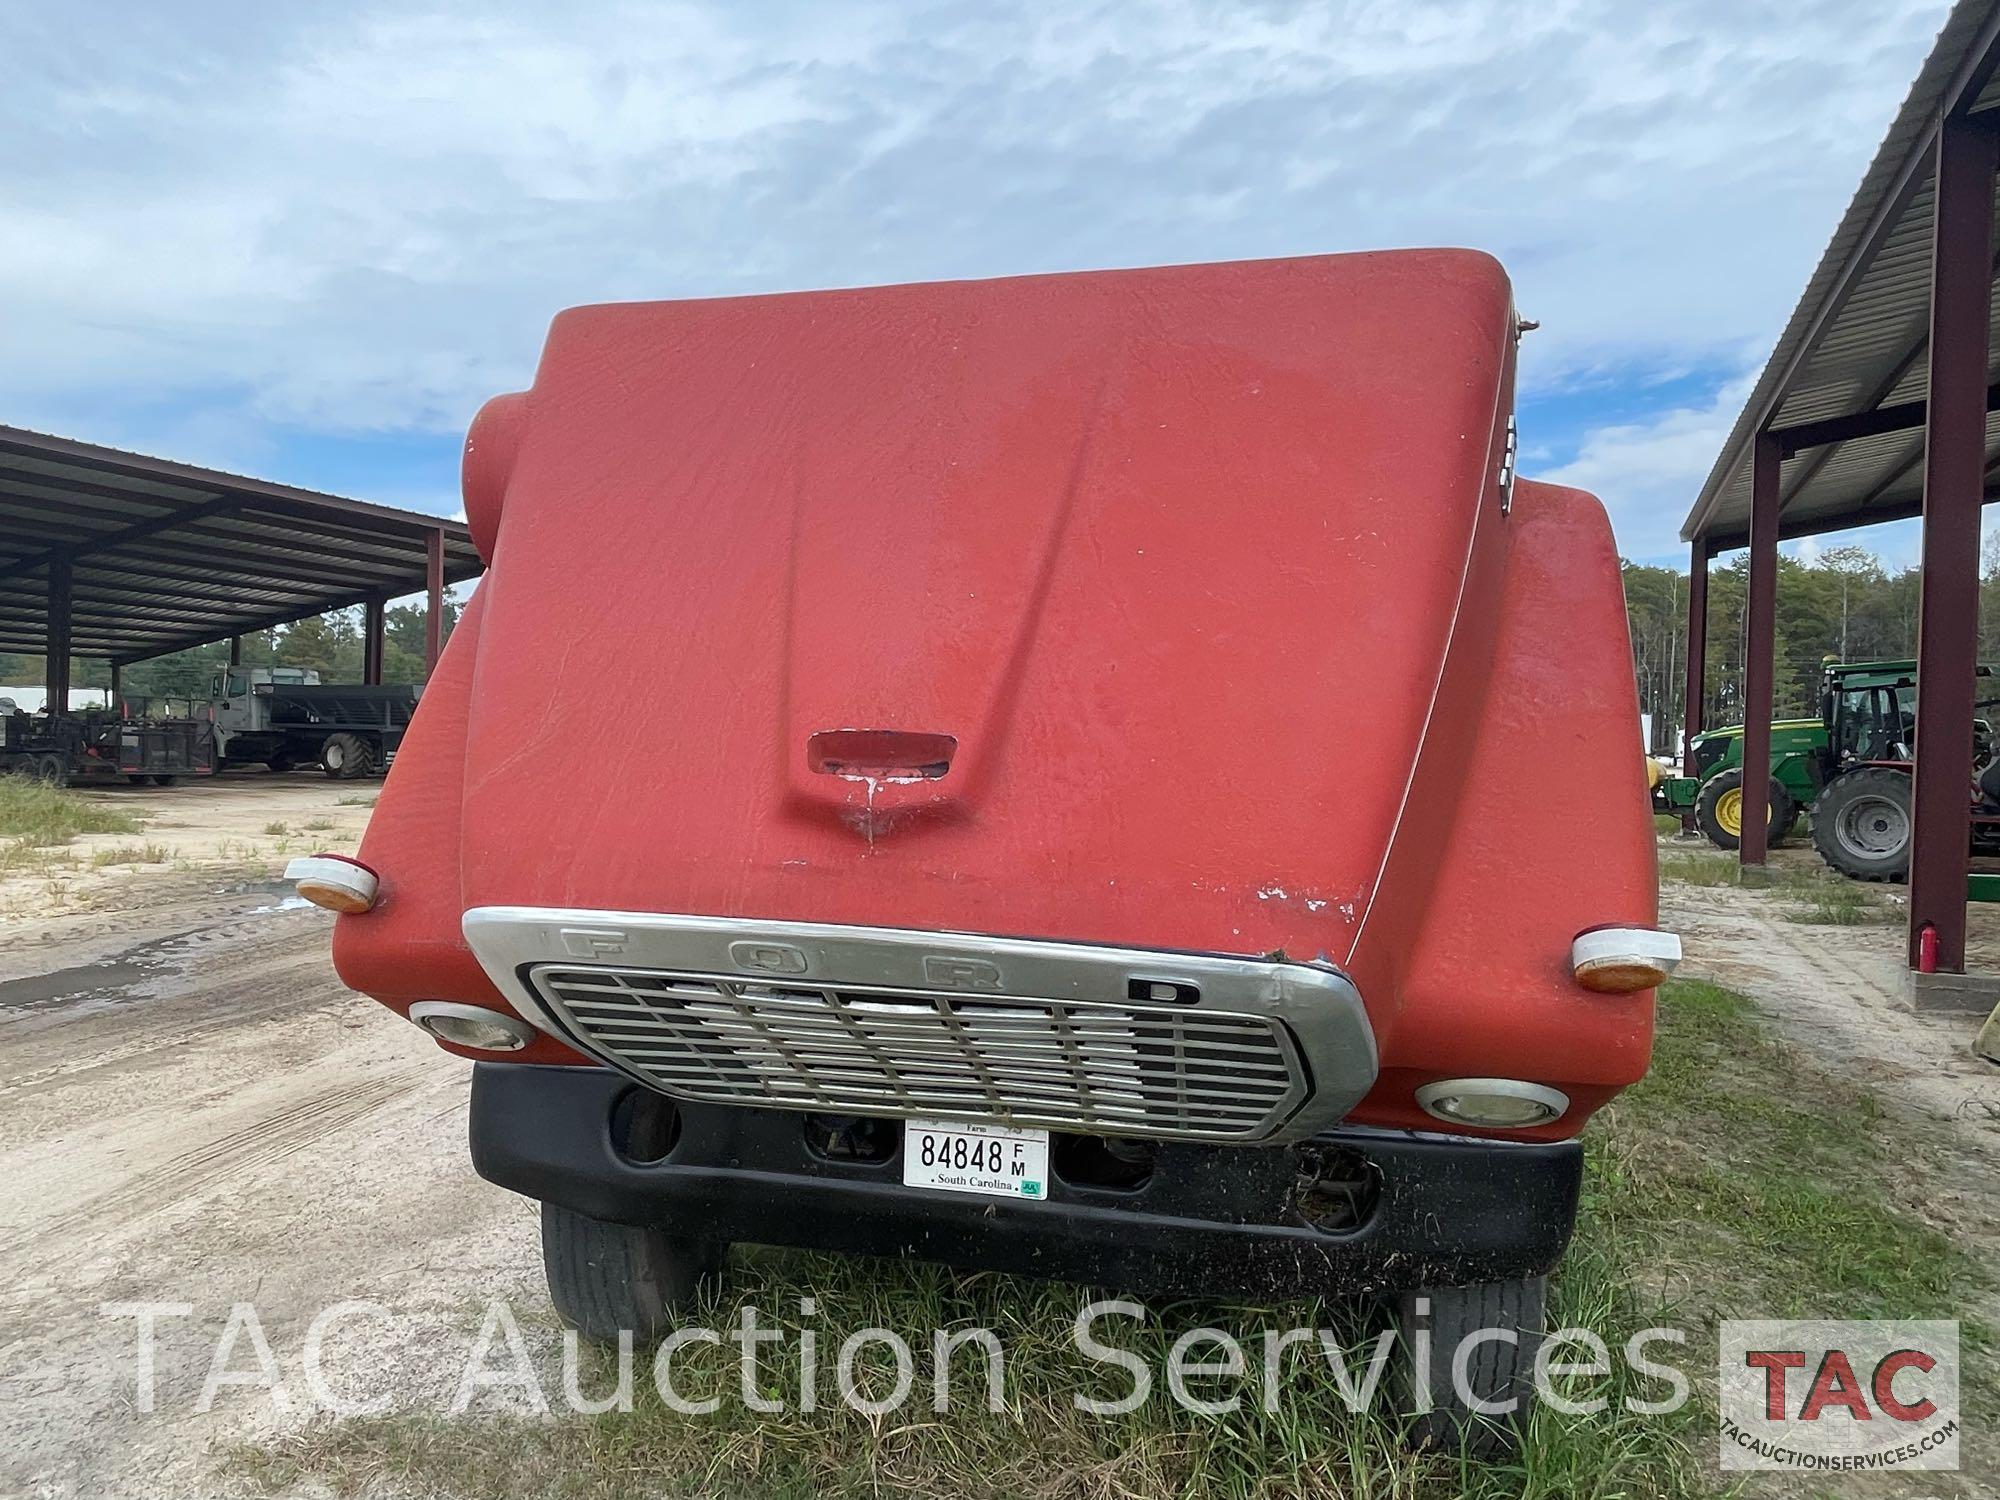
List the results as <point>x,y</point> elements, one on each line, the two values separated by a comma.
<point>284,717</point>
<point>104,745</point>
<point>1075,827</point>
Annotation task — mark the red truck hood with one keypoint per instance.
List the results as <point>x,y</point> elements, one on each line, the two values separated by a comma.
<point>1172,557</point>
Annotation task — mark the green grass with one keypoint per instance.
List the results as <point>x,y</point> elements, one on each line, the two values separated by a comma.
<point>277,829</point>
<point>1745,1157</point>
<point>1835,902</point>
<point>1699,867</point>
<point>44,815</point>
<point>36,817</point>
<point>1736,1180</point>
<point>1038,1446</point>
<point>319,825</point>
<point>1812,894</point>
<point>1666,823</point>
<point>355,802</point>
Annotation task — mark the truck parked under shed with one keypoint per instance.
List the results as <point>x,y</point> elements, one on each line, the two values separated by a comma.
<point>284,717</point>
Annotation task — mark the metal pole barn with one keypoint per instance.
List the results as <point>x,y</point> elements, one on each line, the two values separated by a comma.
<point>1760,631</point>
<point>1968,156</point>
<point>56,660</point>
<point>371,641</point>
<point>1695,687</point>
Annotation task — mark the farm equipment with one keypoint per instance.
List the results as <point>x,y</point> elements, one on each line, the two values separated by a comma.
<point>1074,827</point>
<point>1714,792</point>
<point>103,745</point>
<point>1863,822</point>
<point>284,717</point>
<point>1866,709</point>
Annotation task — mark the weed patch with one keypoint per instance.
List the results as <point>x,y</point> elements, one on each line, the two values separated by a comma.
<point>40,815</point>
<point>130,854</point>
<point>1699,867</point>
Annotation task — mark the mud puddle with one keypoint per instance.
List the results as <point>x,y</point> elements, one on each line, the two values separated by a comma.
<point>155,968</point>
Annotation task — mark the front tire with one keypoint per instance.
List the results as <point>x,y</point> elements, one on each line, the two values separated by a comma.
<point>1719,810</point>
<point>1497,1371</point>
<point>1861,824</point>
<point>604,1277</point>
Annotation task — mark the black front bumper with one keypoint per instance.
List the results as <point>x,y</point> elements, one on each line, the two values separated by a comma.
<point>1211,1220</point>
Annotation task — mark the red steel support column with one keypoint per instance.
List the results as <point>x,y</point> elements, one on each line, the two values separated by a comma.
<point>56,675</point>
<point>1695,687</point>
<point>1954,488</point>
<point>1760,629</point>
<point>433,600</point>
<point>372,623</point>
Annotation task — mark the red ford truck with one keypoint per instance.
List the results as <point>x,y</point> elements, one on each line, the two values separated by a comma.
<point>1072,821</point>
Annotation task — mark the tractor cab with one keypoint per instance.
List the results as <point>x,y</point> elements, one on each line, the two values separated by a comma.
<point>1870,713</point>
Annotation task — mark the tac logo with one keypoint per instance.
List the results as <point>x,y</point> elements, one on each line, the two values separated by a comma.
<point>1839,1397</point>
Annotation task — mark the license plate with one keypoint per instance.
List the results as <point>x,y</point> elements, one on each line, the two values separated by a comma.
<point>995,1160</point>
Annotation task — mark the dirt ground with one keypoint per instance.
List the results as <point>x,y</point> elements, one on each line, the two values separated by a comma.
<point>194,1112</point>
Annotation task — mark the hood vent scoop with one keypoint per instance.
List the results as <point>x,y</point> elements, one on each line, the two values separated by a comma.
<point>880,755</point>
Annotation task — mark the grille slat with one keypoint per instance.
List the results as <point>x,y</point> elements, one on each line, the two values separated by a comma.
<point>1241,1060</point>
<point>1068,1064</point>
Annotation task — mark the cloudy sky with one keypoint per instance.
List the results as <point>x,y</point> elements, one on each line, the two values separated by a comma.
<point>307,242</point>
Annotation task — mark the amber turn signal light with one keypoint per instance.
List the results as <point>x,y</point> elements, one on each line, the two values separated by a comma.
<point>334,882</point>
<point>1619,960</point>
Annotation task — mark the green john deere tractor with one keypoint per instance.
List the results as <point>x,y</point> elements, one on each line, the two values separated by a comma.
<point>1867,718</point>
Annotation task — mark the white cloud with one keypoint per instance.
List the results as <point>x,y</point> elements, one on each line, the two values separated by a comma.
<point>1647,473</point>
<point>360,219</point>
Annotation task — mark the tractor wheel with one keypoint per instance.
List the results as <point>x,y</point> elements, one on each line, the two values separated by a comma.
<point>53,769</point>
<point>346,756</point>
<point>1719,810</point>
<point>163,780</point>
<point>1861,824</point>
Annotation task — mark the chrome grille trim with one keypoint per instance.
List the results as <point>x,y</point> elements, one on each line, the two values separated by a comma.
<point>889,1022</point>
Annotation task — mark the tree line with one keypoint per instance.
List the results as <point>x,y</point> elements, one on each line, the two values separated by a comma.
<point>1842,603</point>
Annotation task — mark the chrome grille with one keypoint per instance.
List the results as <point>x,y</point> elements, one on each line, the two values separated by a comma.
<point>1184,1071</point>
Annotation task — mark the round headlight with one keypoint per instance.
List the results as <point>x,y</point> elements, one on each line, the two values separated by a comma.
<point>1492,1103</point>
<point>471,1026</point>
